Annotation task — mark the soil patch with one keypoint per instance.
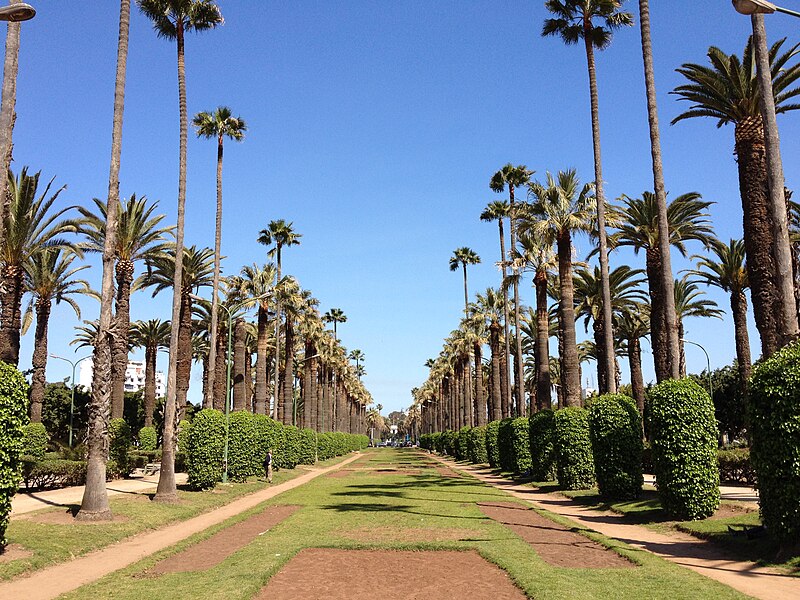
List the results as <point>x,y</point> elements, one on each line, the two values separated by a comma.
<point>447,472</point>
<point>727,510</point>
<point>410,534</point>
<point>344,574</point>
<point>555,544</point>
<point>340,473</point>
<point>14,552</point>
<point>67,517</point>
<point>212,551</point>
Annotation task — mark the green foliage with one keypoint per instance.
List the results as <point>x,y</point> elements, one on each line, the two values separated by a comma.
<point>615,427</point>
<point>49,474</point>
<point>574,463</point>
<point>205,442</point>
<point>775,453</point>
<point>504,445</point>
<point>35,440</point>
<point>542,438</point>
<point>183,435</point>
<point>308,446</point>
<point>735,466</point>
<point>477,445</point>
<point>426,441</point>
<point>448,442</point>
<point>287,454</point>
<point>13,417</point>
<point>241,441</point>
<point>148,440</point>
<point>55,411</point>
<point>730,406</point>
<point>462,443</point>
<point>520,445</point>
<point>684,443</point>
<point>437,442</point>
<point>120,441</point>
<point>492,445</point>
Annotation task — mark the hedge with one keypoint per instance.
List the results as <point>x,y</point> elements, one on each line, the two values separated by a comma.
<point>462,444</point>
<point>774,409</point>
<point>542,439</point>
<point>615,428</point>
<point>426,441</point>
<point>242,440</point>
<point>308,445</point>
<point>520,445</point>
<point>505,435</point>
<point>148,440</point>
<point>120,441</point>
<point>34,440</point>
<point>574,464</point>
<point>205,441</point>
<point>13,417</point>
<point>477,445</point>
<point>684,447</point>
<point>492,445</point>
<point>449,440</point>
<point>183,434</point>
<point>49,474</point>
<point>735,466</point>
<point>286,453</point>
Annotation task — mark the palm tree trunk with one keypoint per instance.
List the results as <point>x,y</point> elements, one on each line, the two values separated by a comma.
<point>519,376</point>
<point>122,321</point>
<point>468,397</point>
<point>637,380</point>
<point>602,375</point>
<point>542,348</point>
<point>327,415</point>
<point>668,344</point>
<point>94,504</point>
<point>184,367</point>
<point>494,347</point>
<point>248,381</point>
<point>39,361</point>
<point>682,347</point>
<point>739,311</point>
<point>658,324</point>
<point>221,367</point>
<point>607,342</point>
<point>506,379</point>
<point>480,398</point>
<point>320,387</point>
<point>466,296</point>
<point>570,367</point>
<point>7,114</point>
<point>239,387</point>
<point>261,392</point>
<point>10,316</point>
<point>208,401</point>
<point>288,373</point>
<point>150,354</point>
<point>276,382</point>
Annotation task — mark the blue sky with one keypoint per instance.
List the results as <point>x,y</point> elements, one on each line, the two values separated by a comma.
<point>375,127</point>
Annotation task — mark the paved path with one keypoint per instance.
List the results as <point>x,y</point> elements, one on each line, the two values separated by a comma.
<point>735,493</point>
<point>24,502</point>
<point>59,579</point>
<point>680,548</point>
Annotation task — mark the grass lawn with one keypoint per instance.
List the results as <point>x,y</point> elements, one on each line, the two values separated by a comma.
<point>374,507</point>
<point>51,543</point>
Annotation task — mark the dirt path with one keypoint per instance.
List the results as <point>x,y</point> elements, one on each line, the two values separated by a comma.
<point>59,579</point>
<point>679,548</point>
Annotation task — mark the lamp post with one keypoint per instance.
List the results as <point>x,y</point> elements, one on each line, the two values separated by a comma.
<point>708,366</point>
<point>755,7</point>
<point>72,385</point>
<point>17,12</point>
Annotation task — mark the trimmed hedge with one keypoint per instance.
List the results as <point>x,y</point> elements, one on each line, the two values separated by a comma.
<point>684,446</point>
<point>774,408</point>
<point>308,446</point>
<point>34,440</point>
<point>615,428</point>
<point>477,445</point>
<point>505,435</point>
<point>574,463</point>
<point>462,443</point>
<point>542,439</point>
<point>13,417</point>
<point>205,442</point>
<point>448,441</point>
<point>183,434</point>
<point>49,474</point>
<point>242,439</point>
<point>520,445</point>
<point>492,445</point>
<point>120,441</point>
<point>148,439</point>
<point>735,466</point>
<point>289,448</point>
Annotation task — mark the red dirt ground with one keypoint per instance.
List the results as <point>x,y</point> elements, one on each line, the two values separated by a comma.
<point>14,552</point>
<point>410,534</point>
<point>555,544</point>
<point>331,574</point>
<point>212,551</point>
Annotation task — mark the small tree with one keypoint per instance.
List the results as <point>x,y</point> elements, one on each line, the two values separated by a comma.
<point>615,427</point>
<point>574,461</point>
<point>13,417</point>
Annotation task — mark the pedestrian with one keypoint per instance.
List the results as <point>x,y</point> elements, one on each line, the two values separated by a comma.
<point>268,465</point>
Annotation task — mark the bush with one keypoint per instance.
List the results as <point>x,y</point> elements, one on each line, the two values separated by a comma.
<point>775,420</point>
<point>448,441</point>
<point>148,440</point>
<point>205,442</point>
<point>287,454</point>
<point>269,434</point>
<point>183,434</point>
<point>615,427</point>
<point>492,445</point>
<point>477,445</point>
<point>542,439</point>
<point>34,440</point>
<point>684,443</point>
<point>574,464</point>
<point>647,458</point>
<point>735,466</point>
<point>49,474</point>
<point>520,445</point>
<point>13,417</point>
<point>308,446</point>
<point>436,441</point>
<point>504,445</point>
<point>241,446</point>
<point>462,444</point>
<point>120,441</point>
<point>426,441</point>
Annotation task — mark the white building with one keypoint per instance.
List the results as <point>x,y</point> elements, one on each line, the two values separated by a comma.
<point>134,377</point>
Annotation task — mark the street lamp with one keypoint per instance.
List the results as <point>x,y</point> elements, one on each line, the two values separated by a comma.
<point>72,385</point>
<point>756,7</point>
<point>708,367</point>
<point>17,12</point>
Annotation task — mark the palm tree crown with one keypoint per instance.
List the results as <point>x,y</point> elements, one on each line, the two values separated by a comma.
<point>573,21</point>
<point>220,123</point>
<point>170,16</point>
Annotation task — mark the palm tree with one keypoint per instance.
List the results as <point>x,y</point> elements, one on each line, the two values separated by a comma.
<point>562,207</point>
<point>358,356</point>
<point>574,21</point>
<point>139,237</point>
<point>632,325</point>
<point>152,335</point>
<point>490,306</point>
<point>219,124</point>
<point>335,316</point>
<point>171,20</point>
<point>281,234</point>
<point>461,258</point>
<point>729,273</point>
<point>514,177</point>
<point>636,222</point>
<point>49,275</point>
<point>29,227</point>
<point>728,91</point>
<point>689,302</point>
<point>497,211</point>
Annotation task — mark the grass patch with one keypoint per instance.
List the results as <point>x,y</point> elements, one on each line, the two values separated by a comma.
<point>388,502</point>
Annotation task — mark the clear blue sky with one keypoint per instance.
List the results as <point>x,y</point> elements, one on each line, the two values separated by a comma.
<point>374,127</point>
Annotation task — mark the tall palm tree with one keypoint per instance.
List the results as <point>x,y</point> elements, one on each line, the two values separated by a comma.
<point>335,316</point>
<point>139,237</point>
<point>728,272</point>
<point>30,225</point>
<point>575,20</point>
<point>514,177</point>
<point>632,325</point>
<point>490,306</point>
<point>498,211</point>
<point>171,20</point>
<point>280,233</point>
<point>690,302</point>
<point>728,91</point>
<point>49,276</point>
<point>219,124</point>
<point>636,222</point>
<point>562,208</point>
<point>358,356</point>
<point>461,258</point>
<point>151,335</point>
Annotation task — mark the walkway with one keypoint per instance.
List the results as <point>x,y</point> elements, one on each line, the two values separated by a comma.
<point>680,548</point>
<point>59,579</point>
<point>734,493</point>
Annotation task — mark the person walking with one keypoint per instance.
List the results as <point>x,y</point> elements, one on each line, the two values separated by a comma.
<point>268,465</point>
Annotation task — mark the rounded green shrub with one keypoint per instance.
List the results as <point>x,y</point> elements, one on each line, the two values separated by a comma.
<point>269,434</point>
<point>492,444</point>
<point>308,446</point>
<point>326,447</point>
<point>183,435</point>
<point>13,417</point>
<point>774,409</point>
<point>477,445</point>
<point>426,441</point>
<point>205,442</point>
<point>462,444</point>
<point>35,440</point>
<point>505,436</point>
<point>542,438</point>
<point>520,445</point>
<point>437,442</point>
<point>242,455</point>
<point>684,447</point>
<point>287,454</point>
<point>148,440</point>
<point>615,427</point>
<point>120,442</point>
<point>449,441</point>
<point>574,464</point>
